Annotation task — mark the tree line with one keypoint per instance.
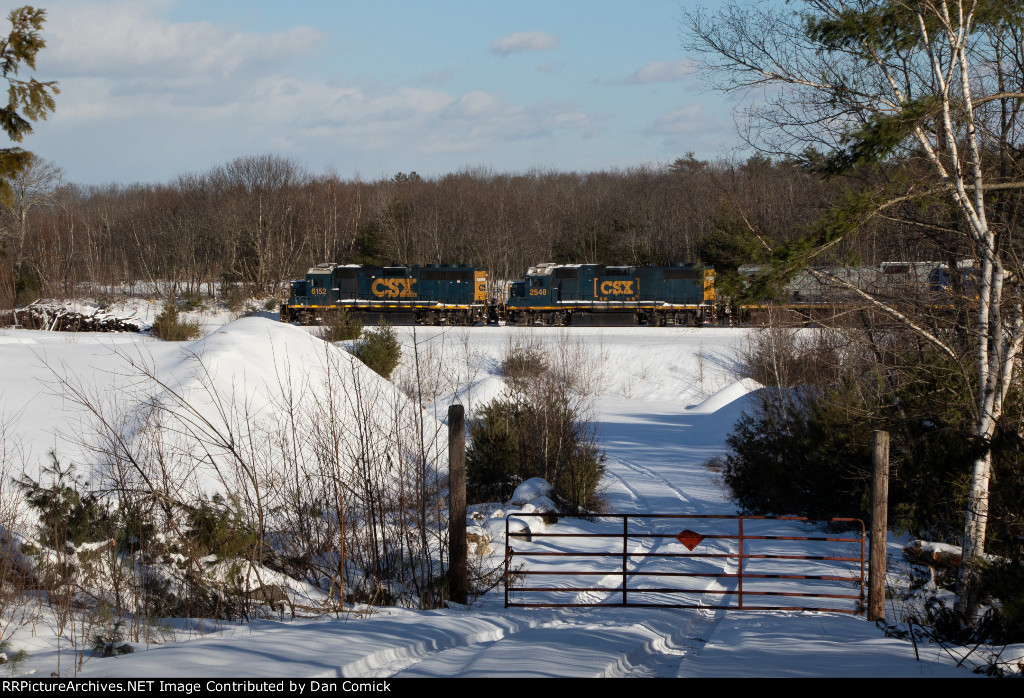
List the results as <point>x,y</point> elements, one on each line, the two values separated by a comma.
<point>258,221</point>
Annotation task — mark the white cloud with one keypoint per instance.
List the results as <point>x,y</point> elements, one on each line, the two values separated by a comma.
<point>660,71</point>
<point>687,119</point>
<point>474,104</point>
<point>691,127</point>
<point>524,41</point>
<point>131,40</point>
<point>159,96</point>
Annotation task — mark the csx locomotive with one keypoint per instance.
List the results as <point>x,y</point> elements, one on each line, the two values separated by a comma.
<point>594,294</point>
<point>430,295</point>
<point>551,294</point>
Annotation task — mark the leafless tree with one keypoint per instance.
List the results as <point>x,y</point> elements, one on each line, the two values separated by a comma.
<point>932,87</point>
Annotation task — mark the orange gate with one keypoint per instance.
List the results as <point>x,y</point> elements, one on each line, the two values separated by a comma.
<point>688,561</point>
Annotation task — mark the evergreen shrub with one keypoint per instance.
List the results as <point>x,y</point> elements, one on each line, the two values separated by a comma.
<point>536,429</point>
<point>171,327</point>
<point>343,327</point>
<point>380,350</point>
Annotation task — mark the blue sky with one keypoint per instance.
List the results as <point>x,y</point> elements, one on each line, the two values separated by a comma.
<point>155,88</point>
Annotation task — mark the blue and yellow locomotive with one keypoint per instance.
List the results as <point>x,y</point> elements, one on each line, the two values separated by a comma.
<point>432,295</point>
<point>598,295</point>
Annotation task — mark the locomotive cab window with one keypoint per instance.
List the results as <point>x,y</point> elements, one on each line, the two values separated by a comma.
<point>536,282</point>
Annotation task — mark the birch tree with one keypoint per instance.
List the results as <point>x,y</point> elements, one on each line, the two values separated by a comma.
<point>932,87</point>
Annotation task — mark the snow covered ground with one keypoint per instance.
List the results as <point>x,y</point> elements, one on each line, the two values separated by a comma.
<point>664,401</point>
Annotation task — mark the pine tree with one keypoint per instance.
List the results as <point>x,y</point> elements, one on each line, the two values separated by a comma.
<point>380,350</point>
<point>28,100</point>
<point>492,459</point>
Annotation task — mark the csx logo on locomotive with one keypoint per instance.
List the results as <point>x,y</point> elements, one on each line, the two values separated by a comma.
<point>617,288</point>
<point>393,288</point>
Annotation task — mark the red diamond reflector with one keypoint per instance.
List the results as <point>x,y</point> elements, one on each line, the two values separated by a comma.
<point>691,539</point>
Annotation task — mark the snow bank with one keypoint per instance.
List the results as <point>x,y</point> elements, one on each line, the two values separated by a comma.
<point>272,395</point>
<point>254,390</point>
<point>725,397</point>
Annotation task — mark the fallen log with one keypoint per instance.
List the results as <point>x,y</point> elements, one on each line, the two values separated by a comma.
<point>938,555</point>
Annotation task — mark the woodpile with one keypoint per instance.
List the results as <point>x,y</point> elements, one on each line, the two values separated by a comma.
<point>58,317</point>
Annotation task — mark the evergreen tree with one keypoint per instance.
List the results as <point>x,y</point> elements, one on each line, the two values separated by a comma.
<point>169,326</point>
<point>380,350</point>
<point>492,459</point>
<point>28,100</point>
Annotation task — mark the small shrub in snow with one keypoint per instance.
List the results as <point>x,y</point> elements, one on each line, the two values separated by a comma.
<point>523,364</point>
<point>68,514</point>
<point>546,409</point>
<point>540,434</point>
<point>193,300</point>
<point>10,660</point>
<point>492,459</point>
<point>170,327</point>
<point>380,350</point>
<point>110,642</point>
<point>343,327</point>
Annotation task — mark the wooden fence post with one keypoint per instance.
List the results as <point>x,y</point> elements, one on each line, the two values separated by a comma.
<point>879,525</point>
<point>458,555</point>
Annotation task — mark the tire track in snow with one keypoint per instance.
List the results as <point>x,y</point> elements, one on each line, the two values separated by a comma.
<point>393,659</point>
<point>578,643</point>
<point>638,498</point>
<point>641,506</point>
<point>727,565</point>
<point>660,479</point>
<point>634,494</point>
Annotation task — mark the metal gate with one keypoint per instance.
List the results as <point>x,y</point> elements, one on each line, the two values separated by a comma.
<point>687,561</point>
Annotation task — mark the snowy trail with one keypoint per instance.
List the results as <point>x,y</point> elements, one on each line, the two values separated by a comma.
<point>651,478</point>
<point>597,642</point>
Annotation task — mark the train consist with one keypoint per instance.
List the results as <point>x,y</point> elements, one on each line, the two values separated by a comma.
<point>599,295</point>
<point>551,294</point>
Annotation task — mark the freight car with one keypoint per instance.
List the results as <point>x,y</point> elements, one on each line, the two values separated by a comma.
<point>834,294</point>
<point>432,295</point>
<point>594,294</point>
